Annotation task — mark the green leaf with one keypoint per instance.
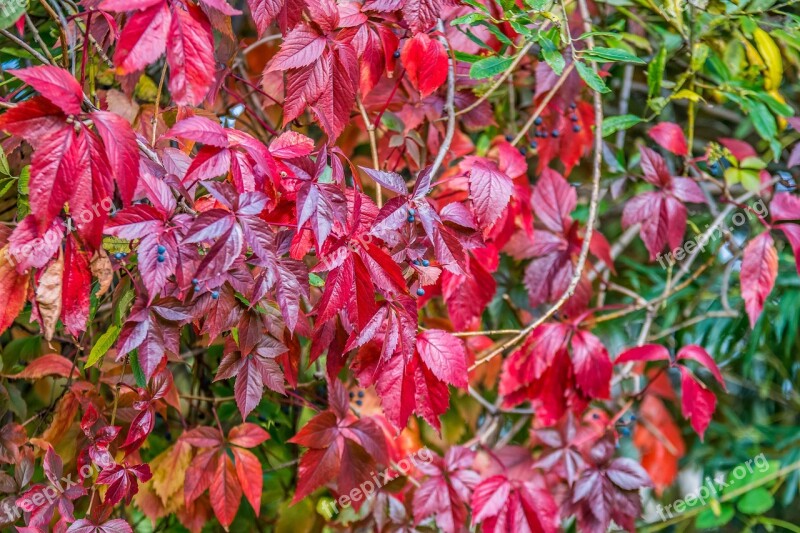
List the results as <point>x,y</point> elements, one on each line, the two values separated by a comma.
<point>755,502</point>
<point>708,520</point>
<point>4,169</point>
<point>655,73</point>
<point>591,77</point>
<point>494,30</point>
<point>790,38</point>
<point>538,5</point>
<point>138,375</point>
<point>477,5</point>
<point>777,107</point>
<point>552,55</point>
<point>470,18</point>
<point>602,55</point>
<point>619,122</point>
<point>104,342</point>
<point>10,12</point>
<point>763,121</point>
<point>315,281</point>
<point>5,185</point>
<point>489,66</point>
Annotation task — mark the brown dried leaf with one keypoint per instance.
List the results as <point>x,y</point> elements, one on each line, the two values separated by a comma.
<point>48,296</point>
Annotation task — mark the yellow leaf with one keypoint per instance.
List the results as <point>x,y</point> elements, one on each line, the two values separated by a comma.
<point>686,94</point>
<point>169,473</point>
<point>772,57</point>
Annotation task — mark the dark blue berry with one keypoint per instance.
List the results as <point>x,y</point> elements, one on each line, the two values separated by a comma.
<point>596,416</point>
<point>554,133</point>
<point>573,105</point>
<point>161,258</point>
<point>416,262</point>
<point>633,418</point>
<point>214,294</point>
<point>195,281</point>
<point>574,118</point>
<point>420,292</point>
<point>351,395</point>
<point>523,150</point>
<point>168,436</point>
<point>425,263</point>
<point>118,255</point>
<point>537,121</point>
<point>361,394</point>
<point>534,145</point>
<point>725,162</point>
<point>410,218</point>
<point>715,169</point>
<point>576,128</point>
<point>396,54</point>
<point>359,403</point>
<point>509,138</point>
<point>162,250</point>
<point>626,432</point>
<point>412,211</point>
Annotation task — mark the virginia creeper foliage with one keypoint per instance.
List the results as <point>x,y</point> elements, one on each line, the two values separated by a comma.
<point>257,255</point>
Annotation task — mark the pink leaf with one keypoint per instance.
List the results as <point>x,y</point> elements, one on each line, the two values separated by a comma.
<point>671,137</point>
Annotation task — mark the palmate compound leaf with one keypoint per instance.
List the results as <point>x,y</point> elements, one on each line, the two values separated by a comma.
<point>342,450</point>
<point>661,213</point>
<point>446,492</point>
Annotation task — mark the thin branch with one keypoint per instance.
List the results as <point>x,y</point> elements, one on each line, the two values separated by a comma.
<point>499,82</point>
<point>448,105</point>
<point>546,100</point>
<point>61,23</point>
<point>22,44</point>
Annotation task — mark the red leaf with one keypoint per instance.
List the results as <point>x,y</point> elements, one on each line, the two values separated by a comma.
<point>301,47</point>
<point>55,84</point>
<point>199,475</point>
<point>46,365</point>
<point>143,39</point>
<point>426,63</point>
<point>444,355</point>
<point>200,129</point>
<point>35,120</point>
<point>57,166</point>
<point>697,402</point>
<point>670,136</point>
<point>76,286</point>
<point>697,353</point>
<point>317,467</point>
<point>758,274</point>
<point>447,491</point>
<point>659,452</point>
<point>30,247</point>
<point>554,200</point>
<point>123,482</point>
<point>225,491</point>
<point>247,435</point>
<point>190,55</point>
<point>420,15</point>
<point>490,190</point>
<point>291,144</point>
<point>592,365</point>
<point>249,472</point>
<point>647,352</point>
<point>502,505</point>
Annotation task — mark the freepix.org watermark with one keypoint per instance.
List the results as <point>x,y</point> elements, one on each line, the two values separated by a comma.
<point>15,255</point>
<point>47,494</point>
<point>10,7</point>
<point>710,488</point>
<point>755,210</point>
<point>368,488</point>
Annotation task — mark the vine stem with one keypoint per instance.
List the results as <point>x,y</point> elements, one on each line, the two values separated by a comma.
<point>373,148</point>
<point>594,202</point>
<point>448,106</point>
<point>156,112</point>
